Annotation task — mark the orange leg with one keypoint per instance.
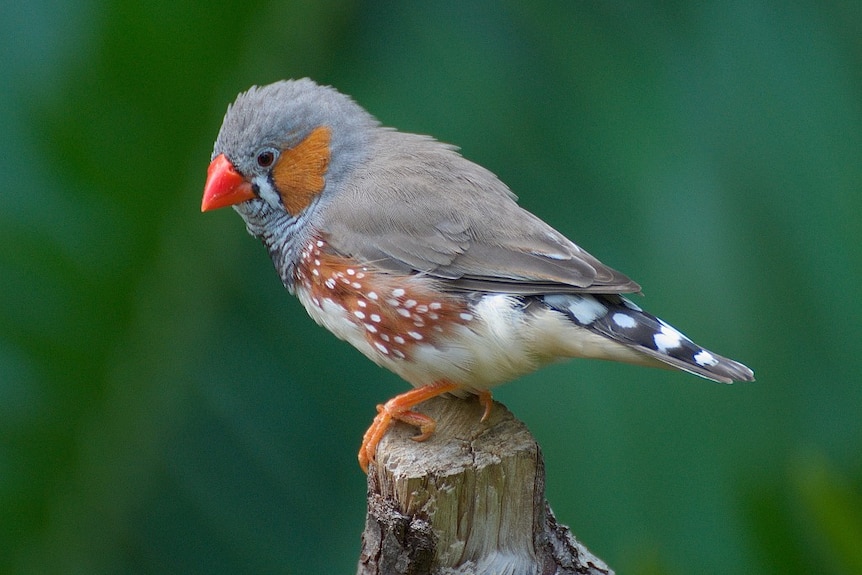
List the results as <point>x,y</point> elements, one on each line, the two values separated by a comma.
<point>487,402</point>
<point>398,408</point>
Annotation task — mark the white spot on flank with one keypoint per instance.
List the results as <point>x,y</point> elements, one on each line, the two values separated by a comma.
<point>359,314</point>
<point>624,320</point>
<point>415,335</point>
<point>356,285</point>
<point>668,338</point>
<point>403,312</point>
<point>330,283</point>
<point>435,305</point>
<point>466,316</point>
<point>384,337</point>
<point>315,272</point>
<point>316,262</point>
<point>398,339</point>
<point>409,303</point>
<point>398,292</point>
<point>351,272</point>
<point>705,358</point>
<point>372,295</point>
<point>319,243</point>
<point>370,327</point>
<point>360,275</point>
<point>361,303</point>
<point>421,309</point>
<point>398,353</point>
<point>375,318</point>
<point>381,347</point>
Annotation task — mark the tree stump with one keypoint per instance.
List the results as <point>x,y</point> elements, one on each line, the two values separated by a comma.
<point>470,500</point>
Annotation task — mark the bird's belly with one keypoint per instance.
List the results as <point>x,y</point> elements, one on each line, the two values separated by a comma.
<point>493,340</point>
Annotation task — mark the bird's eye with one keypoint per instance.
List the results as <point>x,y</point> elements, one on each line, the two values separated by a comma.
<point>265,158</point>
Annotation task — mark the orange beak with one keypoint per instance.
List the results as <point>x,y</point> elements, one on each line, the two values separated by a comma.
<point>225,186</point>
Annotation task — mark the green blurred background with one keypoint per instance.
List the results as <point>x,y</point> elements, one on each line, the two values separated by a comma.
<point>165,407</point>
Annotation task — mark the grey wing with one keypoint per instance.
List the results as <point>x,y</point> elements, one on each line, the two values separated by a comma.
<point>454,220</point>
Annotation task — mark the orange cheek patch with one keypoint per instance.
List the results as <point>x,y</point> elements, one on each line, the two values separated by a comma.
<point>299,172</point>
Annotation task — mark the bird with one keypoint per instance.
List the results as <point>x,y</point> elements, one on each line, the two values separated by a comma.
<point>421,259</point>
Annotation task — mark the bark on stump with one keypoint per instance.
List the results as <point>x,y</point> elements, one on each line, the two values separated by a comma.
<point>470,500</point>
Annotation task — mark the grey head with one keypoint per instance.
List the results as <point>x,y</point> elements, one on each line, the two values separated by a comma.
<point>279,116</point>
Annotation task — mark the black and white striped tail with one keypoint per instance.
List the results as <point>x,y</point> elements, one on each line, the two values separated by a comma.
<point>617,318</point>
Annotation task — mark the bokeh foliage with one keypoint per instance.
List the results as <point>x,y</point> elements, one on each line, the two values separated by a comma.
<point>166,408</point>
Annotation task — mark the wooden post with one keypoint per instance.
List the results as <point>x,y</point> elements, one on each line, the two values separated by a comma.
<point>470,500</point>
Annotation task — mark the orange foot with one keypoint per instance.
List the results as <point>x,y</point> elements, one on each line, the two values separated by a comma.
<point>399,408</point>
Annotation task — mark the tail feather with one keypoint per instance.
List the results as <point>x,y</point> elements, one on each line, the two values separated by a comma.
<point>617,318</point>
